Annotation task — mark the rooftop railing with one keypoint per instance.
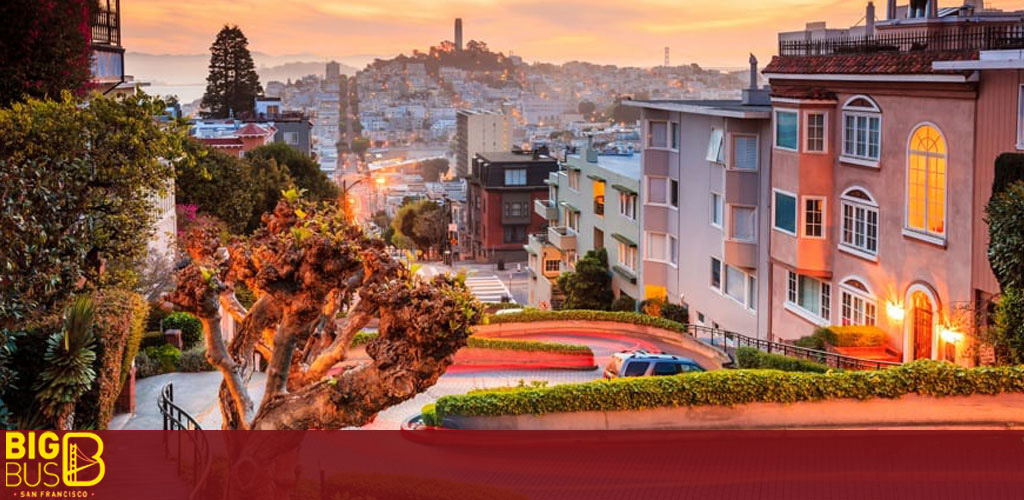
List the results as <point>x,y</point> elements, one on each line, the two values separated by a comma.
<point>106,25</point>
<point>951,39</point>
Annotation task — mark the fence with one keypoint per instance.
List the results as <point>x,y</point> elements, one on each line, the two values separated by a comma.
<point>956,38</point>
<point>727,340</point>
<point>190,435</point>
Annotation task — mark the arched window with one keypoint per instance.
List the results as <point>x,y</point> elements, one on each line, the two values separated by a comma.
<point>858,306</point>
<point>862,131</point>
<point>859,223</point>
<point>926,182</point>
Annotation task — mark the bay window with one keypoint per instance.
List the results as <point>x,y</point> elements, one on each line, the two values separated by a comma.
<point>810,297</point>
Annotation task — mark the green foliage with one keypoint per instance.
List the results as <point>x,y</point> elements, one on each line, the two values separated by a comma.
<point>244,295</point>
<point>360,145</point>
<point>1008,330</point>
<point>749,357</point>
<point>194,360</point>
<point>1009,169</point>
<point>165,356</point>
<point>1005,217</point>
<point>433,170</point>
<point>737,387</point>
<point>76,188</point>
<point>363,338</point>
<point>304,172</point>
<point>69,362</point>
<point>8,375</point>
<point>590,286</point>
<point>624,303</point>
<point>422,222</point>
<point>153,338</point>
<point>529,315</point>
<point>190,326</point>
<point>46,50</point>
<point>675,312</point>
<point>843,336</point>
<point>429,415</point>
<point>232,85</point>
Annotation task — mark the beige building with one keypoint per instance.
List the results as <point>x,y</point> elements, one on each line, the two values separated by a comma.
<point>480,131</point>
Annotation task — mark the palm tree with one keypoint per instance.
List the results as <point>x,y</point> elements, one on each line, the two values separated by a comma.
<point>69,369</point>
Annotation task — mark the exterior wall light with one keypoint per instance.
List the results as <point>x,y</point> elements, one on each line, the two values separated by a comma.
<point>950,336</point>
<point>894,311</point>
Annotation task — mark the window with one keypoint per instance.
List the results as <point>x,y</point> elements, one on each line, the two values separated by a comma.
<point>515,234</point>
<point>552,266</point>
<point>716,210</point>
<point>814,217</point>
<point>752,292</point>
<point>735,284</point>
<point>673,194</point>
<point>810,296</point>
<point>574,179</point>
<point>572,219</point>
<point>291,138</point>
<point>786,129</point>
<point>815,133</point>
<point>744,155</point>
<point>675,136</point>
<point>516,209</point>
<point>744,225</point>
<point>926,182</point>
<point>666,368</point>
<point>657,134</point>
<point>673,250</point>
<point>627,205</point>
<point>716,152</point>
<point>636,368</point>
<point>862,125</point>
<point>627,256</point>
<point>859,223</point>
<point>857,305</point>
<point>716,274</point>
<point>515,176</point>
<point>785,212</point>
<point>662,247</point>
<point>657,190</point>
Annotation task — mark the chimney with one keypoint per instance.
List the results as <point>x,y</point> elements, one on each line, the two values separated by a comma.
<point>753,96</point>
<point>458,34</point>
<point>933,9</point>
<point>869,19</point>
<point>890,13</point>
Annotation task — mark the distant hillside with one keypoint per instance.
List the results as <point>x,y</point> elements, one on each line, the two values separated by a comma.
<point>164,69</point>
<point>296,70</point>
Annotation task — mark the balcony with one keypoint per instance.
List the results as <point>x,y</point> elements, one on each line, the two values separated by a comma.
<point>546,209</point>
<point>562,238</point>
<point>106,24</point>
<point>962,38</point>
<point>741,254</point>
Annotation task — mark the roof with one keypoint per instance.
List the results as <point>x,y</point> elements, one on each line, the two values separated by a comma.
<point>510,157</point>
<point>221,142</point>
<point>798,92</point>
<point>253,130</point>
<point>730,108</point>
<point>879,63</point>
<point>626,166</point>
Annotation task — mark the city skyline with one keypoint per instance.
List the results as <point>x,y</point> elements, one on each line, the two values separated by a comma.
<point>595,31</point>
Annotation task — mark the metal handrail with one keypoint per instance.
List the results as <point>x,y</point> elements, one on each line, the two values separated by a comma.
<point>968,38</point>
<point>177,419</point>
<point>725,340</point>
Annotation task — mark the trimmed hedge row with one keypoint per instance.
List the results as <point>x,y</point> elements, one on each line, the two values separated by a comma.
<point>843,336</point>
<point>751,358</point>
<point>588,315</point>
<point>736,387</point>
<point>363,338</point>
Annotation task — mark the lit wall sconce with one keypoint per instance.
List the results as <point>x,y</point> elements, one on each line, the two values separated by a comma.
<point>894,311</point>
<point>950,336</point>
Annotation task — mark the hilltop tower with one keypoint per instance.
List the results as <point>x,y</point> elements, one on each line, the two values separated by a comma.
<point>458,34</point>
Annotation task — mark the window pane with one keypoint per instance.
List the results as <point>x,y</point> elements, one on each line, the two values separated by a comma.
<point>735,280</point>
<point>752,292</point>
<point>716,273</point>
<point>815,132</point>
<point>745,155</point>
<point>743,224</point>
<point>715,145</point>
<point>673,249</point>
<point>656,243</point>
<point>809,294</point>
<point>786,129</point>
<point>785,212</point>
<point>716,209</point>
<point>673,192</point>
<point>665,368</point>
<point>675,135</point>
<point>657,189</point>
<point>658,135</point>
<point>636,369</point>
<point>813,219</point>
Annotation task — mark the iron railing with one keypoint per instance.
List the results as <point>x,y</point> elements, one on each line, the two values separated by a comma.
<point>106,24</point>
<point>177,419</point>
<point>729,341</point>
<point>951,39</point>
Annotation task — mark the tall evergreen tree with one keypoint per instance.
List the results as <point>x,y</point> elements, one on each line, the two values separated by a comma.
<point>233,84</point>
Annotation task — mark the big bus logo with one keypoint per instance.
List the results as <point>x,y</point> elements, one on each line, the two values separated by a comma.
<point>47,460</point>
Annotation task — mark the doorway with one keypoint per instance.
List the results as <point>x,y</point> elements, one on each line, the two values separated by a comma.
<point>922,325</point>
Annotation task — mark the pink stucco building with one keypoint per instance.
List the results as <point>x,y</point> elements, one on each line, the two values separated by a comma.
<point>883,149</point>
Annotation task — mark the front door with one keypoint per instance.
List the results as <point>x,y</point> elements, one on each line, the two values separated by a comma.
<point>922,326</point>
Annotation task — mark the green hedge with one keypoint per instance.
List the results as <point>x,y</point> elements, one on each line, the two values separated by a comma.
<point>190,326</point>
<point>588,315</point>
<point>843,336</point>
<point>363,338</point>
<point>751,358</point>
<point>736,387</point>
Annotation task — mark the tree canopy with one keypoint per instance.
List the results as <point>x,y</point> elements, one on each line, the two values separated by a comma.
<point>305,172</point>
<point>232,85</point>
<point>432,170</point>
<point>44,48</point>
<point>77,190</point>
<point>590,286</point>
<point>422,222</point>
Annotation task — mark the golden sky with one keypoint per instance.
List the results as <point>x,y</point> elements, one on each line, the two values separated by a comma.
<point>624,32</point>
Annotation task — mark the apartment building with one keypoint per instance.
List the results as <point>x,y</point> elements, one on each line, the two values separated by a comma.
<point>478,131</point>
<point>592,203</point>
<point>706,185</point>
<point>502,188</point>
<point>883,150</point>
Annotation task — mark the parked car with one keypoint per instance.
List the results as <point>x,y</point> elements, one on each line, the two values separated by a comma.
<point>642,364</point>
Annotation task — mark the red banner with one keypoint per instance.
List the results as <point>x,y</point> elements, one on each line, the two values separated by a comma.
<point>438,464</point>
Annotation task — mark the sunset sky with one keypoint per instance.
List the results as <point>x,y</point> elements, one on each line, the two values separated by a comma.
<point>624,32</point>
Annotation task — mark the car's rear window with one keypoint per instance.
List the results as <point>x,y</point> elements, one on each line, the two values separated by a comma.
<point>636,368</point>
<point>667,368</point>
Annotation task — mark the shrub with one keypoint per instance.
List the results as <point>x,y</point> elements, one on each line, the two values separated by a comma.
<point>363,338</point>
<point>146,366</point>
<point>429,415</point>
<point>190,326</point>
<point>843,336</point>
<point>624,303</point>
<point>194,360</point>
<point>749,357</point>
<point>1005,216</point>
<point>675,312</point>
<point>152,339</point>
<point>167,357</point>
<point>736,387</point>
<point>1008,331</point>
<point>588,315</point>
